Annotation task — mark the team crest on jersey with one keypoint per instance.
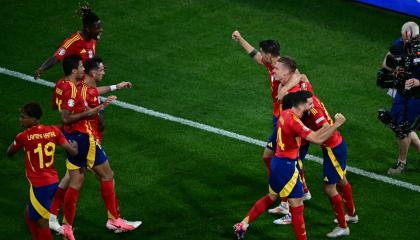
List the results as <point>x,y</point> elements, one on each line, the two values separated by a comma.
<point>62,51</point>
<point>70,102</point>
<point>90,53</point>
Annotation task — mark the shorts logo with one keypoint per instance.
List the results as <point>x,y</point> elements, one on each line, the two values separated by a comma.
<point>70,102</point>
<point>62,52</point>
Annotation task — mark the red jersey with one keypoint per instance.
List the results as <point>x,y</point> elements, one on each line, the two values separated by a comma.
<point>317,117</point>
<point>92,98</point>
<point>62,86</point>
<point>274,86</point>
<point>290,131</point>
<point>39,144</point>
<point>76,45</point>
<point>72,100</point>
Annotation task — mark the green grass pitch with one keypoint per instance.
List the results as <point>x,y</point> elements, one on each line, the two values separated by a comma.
<point>185,183</point>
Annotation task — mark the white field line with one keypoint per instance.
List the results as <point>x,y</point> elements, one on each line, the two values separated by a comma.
<point>219,131</point>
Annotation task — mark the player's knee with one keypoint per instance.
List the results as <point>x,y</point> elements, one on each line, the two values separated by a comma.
<point>330,190</point>
<point>42,223</point>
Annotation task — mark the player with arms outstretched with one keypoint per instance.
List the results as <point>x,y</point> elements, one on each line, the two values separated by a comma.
<point>82,43</point>
<point>284,180</point>
<point>39,143</point>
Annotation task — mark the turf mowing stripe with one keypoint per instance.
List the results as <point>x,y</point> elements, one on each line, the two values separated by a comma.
<point>218,131</point>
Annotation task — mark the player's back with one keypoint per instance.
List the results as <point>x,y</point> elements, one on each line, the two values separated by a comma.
<point>63,89</point>
<point>39,144</point>
<point>92,99</point>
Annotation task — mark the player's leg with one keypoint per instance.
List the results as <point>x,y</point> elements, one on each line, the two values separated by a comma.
<point>31,224</point>
<point>102,168</point>
<point>303,151</point>
<point>57,203</point>
<point>415,141</point>
<point>298,221</point>
<point>347,195</point>
<point>334,166</point>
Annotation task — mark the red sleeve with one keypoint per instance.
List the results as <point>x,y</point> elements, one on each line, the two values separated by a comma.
<point>66,48</point>
<point>68,98</point>
<point>299,128</point>
<point>18,142</point>
<point>60,139</point>
<point>317,117</point>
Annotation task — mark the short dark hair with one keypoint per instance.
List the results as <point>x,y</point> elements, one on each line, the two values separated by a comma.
<point>289,62</point>
<point>32,109</point>
<point>270,46</point>
<point>89,18</point>
<point>70,62</point>
<point>92,64</point>
<point>295,99</point>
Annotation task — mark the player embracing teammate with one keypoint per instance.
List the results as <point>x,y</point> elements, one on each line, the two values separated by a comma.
<point>314,117</point>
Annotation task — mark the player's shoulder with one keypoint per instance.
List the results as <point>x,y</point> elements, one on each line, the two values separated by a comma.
<point>75,37</point>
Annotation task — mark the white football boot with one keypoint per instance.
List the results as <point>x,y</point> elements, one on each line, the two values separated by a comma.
<point>283,208</point>
<point>349,219</point>
<point>54,224</point>
<point>339,232</point>
<point>307,196</point>
<point>286,219</point>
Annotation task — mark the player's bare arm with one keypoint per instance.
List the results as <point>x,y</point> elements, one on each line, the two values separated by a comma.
<point>11,150</point>
<point>236,35</point>
<point>293,81</point>
<point>71,147</point>
<point>326,131</point>
<point>49,63</point>
<point>119,86</point>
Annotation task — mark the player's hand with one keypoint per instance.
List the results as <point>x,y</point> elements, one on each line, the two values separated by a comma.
<point>74,145</point>
<point>38,73</point>
<point>339,118</point>
<point>236,35</point>
<point>410,83</point>
<point>109,100</point>
<point>122,85</point>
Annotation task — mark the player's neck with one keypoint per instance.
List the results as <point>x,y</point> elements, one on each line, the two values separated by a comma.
<point>71,78</point>
<point>85,35</point>
<point>297,112</point>
<point>90,81</point>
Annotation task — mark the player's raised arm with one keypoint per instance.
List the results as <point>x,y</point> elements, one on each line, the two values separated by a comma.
<point>253,53</point>
<point>326,131</point>
<point>12,149</point>
<point>294,80</point>
<point>119,86</point>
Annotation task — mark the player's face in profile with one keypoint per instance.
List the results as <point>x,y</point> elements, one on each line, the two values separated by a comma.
<point>80,71</point>
<point>266,56</point>
<point>309,104</point>
<point>100,72</point>
<point>96,31</point>
<point>25,120</point>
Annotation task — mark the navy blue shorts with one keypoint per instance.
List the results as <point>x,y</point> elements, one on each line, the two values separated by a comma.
<point>40,201</point>
<point>398,109</point>
<point>303,151</point>
<point>272,140</point>
<point>335,163</point>
<point>90,152</point>
<point>285,179</point>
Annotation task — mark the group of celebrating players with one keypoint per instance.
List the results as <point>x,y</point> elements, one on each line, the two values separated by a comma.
<point>77,99</point>
<point>299,117</point>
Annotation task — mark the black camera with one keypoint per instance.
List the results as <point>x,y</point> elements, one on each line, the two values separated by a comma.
<point>405,62</point>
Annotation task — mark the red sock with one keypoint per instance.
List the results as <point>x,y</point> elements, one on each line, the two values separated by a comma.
<point>70,201</point>
<point>58,201</point>
<point>45,234</point>
<point>267,161</point>
<point>337,205</point>
<point>347,194</point>
<point>259,207</point>
<point>108,195</point>
<point>302,177</point>
<point>33,228</point>
<point>298,222</point>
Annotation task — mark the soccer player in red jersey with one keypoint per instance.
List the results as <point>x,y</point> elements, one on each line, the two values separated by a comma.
<point>74,115</point>
<point>39,143</point>
<point>94,72</point>
<point>268,55</point>
<point>284,180</point>
<point>82,43</point>
<point>335,161</point>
